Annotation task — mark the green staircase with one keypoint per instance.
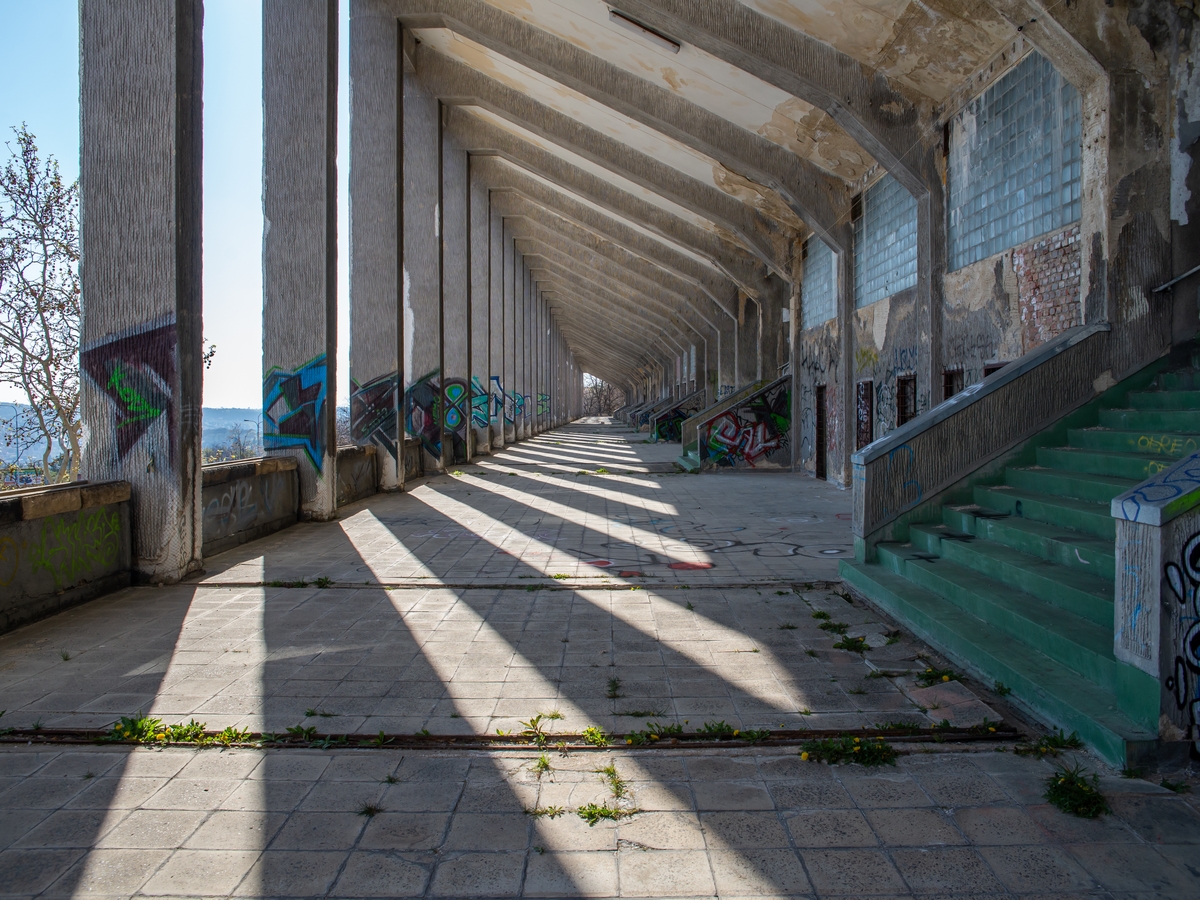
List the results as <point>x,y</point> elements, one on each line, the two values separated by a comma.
<point>1016,578</point>
<point>690,460</point>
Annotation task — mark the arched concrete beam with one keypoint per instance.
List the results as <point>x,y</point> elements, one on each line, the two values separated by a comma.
<point>457,84</point>
<point>815,196</point>
<point>729,258</point>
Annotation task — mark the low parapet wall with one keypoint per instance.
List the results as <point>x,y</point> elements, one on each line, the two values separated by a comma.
<point>356,473</point>
<point>60,546</point>
<point>248,499</point>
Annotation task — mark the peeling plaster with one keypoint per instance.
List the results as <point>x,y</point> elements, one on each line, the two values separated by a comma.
<point>767,202</point>
<point>1186,132</point>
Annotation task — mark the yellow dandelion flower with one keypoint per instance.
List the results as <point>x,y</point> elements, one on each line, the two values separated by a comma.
<point>804,756</point>
<point>857,740</point>
<point>945,678</point>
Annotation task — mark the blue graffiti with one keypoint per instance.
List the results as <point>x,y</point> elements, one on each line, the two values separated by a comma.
<point>294,410</point>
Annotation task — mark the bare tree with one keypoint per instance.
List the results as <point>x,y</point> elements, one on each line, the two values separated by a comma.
<point>241,442</point>
<point>601,398</point>
<point>39,301</point>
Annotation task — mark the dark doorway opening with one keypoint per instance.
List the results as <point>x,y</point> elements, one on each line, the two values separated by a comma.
<point>952,383</point>
<point>906,399</point>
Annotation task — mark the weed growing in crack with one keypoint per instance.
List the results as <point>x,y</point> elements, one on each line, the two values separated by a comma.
<point>811,652</point>
<point>553,716</point>
<point>88,776</point>
<point>932,676</point>
<point>548,812</point>
<point>1132,772</point>
<point>323,582</point>
<point>595,812</point>
<point>1053,744</point>
<point>614,689</point>
<point>1179,787</point>
<point>616,784</point>
<point>535,730</point>
<point>902,726</point>
<point>190,733</point>
<point>312,713</point>
<point>64,654</point>
<point>1001,689</point>
<point>542,766</point>
<point>654,731</point>
<point>596,737</point>
<point>806,711</point>
<point>834,627</point>
<point>871,752</point>
<point>142,729</point>
<point>787,626</point>
<point>853,644</point>
<point>718,730</point>
<point>643,713</point>
<point>821,615</point>
<point>229,736</point>
<point>689,605</point>
<point>302,732</point>
<point>1076,791</point>
<point>858,691</point>
<point>754,735</point>
<point>370,810</point>
<point>381,739</point>
<point>391,779</point>
<point>560,576</point>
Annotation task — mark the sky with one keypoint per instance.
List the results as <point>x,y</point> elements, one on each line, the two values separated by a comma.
<point>39,72</point>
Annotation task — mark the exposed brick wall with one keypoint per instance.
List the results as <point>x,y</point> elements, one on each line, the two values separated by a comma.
<point>1048,286</point>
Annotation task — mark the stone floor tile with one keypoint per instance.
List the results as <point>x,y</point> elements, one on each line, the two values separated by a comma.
<point>479,875</point>
<point>852,872</point>
<point>116,793</point>
<point>986,825</point>
<point>1135,867</point>
<point>42,793</point>
<point>153,829</point>
<point>758,873</point>
<point>191,872</point>
<point>292,873</point>
<point>830,828</point>
<point>971,789</point>
<point>230,830</point>
<point>914,827</point>
<point>1045,868</point>
<point>665,873</point>
<point>718,795</point>
<point>32,871</point>
<point>16,823</point>
<point>484,831</point>
<point>743,830</point>
<point>319,831</point>
<point>1157,819</point>
<point>565,874</point>
<point>114,873</point>
<point>951,870</point>
<point>1068,829</point>
<point>569,832</point>
<point>663,831</point>
<point>381,874</point>
<point>70,828</point>
<point>811,793</point>
<point>267,796</point>
<point>404,831</point>
<point>181,793</point>
<point>893,789</point>
<point>346,796</point>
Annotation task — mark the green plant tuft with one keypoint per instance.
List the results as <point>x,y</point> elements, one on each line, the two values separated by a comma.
<point>870,752</point>
<point>596,737</point>
<point>853,644</point>
<point>931,676</point>
<point>595,812</point>
<point>614,689</point>
<point>1077,792</point>
<point>549,812</point>
<point>1052,744</point>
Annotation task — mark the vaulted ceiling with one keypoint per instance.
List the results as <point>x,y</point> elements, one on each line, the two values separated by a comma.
<point>663,155</point>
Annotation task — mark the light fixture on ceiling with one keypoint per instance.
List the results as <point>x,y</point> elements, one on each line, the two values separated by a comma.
<point>644,31</point>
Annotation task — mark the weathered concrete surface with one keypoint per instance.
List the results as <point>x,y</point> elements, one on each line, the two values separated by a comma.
<point>247,500</point>
<point>140,209</point>
<point>60,547</point>
<point>358,473</point>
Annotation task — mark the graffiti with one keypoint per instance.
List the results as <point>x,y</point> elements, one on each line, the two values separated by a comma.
<point>543,404</point>
<point>232,508</point>
<point>1167,444</point>
<point>1183,684</point>
<point>904,359</point>
<point>526,408</point>
<point>10,557</point>
<point>136,371</point>
<point>726,390</point>
<point>865,358</point>
<point>755,434</point>
<point>294,410</point>
<point>70,549</point>
<point>1145,503</point>
<point>422,412</point>
<point>500,409</point>
<point>514,407</point>
<point>480,403</point>
<point>670,426</point>
<point>373,415</point>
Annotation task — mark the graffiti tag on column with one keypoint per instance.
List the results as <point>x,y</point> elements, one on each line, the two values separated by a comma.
<point>423,412</point>
<point>543,404</point>
<point>499,407</point>
<point>1183,579</point>
<point>753,434</point>
<point>294,409</point>
<point>373,412</point>
<point>480,403</point>
<point>136,371</point>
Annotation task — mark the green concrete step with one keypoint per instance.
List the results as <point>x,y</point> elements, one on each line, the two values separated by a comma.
<point>1065,483</point>
<point>1049,688</point>
<point>1079,593</point>
<point>1065,512</point>
<point>1134,466</point>
<point>1178,380</point>
<point>1165,399</point>
<point>1079,644</point>
<point>1172,445</point>
<point>689,462</point>
<point>1072,549</point>
<point>1175,420</point>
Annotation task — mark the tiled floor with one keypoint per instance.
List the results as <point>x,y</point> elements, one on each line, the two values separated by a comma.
<point>528,514</point>
<point>410,651</point>
<point>108,822</point>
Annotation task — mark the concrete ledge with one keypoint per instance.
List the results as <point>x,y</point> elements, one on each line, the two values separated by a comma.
<point>61,546</point>
<point>248,499</point>
<point>357,475</point>
<point>1163,496</point>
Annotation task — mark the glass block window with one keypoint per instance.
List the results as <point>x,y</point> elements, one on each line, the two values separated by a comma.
<point>818,287</point>
<point>885,242</point>
<point>1015,161</point>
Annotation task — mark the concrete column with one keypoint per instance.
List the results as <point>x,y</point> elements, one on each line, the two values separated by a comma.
<point>456,312</point>
<point>375,266</point>
<point>747,342</point>
<point>300,42</point>
<point>479,245</point>
<point>842,408</point>
<point>512,264</point>
<point>422,355</point>
<point>497,269</point>
<point>141,75</point>
<point>521,353</point>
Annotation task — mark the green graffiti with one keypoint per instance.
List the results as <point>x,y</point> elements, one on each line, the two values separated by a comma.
<point>70,549</point>
<point>137,407</point>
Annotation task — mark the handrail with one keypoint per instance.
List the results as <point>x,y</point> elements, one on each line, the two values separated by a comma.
<point>944,445</point>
